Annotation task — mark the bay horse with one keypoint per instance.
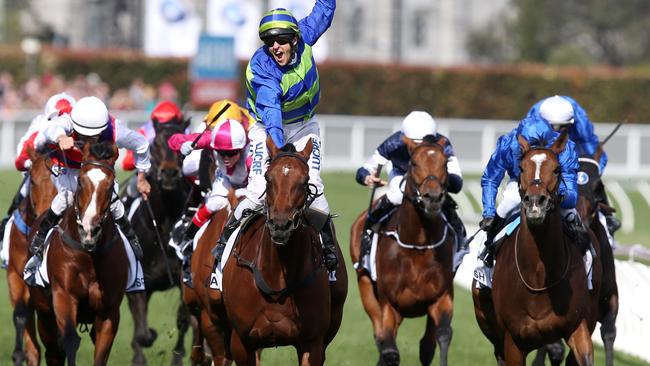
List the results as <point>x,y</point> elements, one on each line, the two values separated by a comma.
<point>87,266</point>
<point>39,197</point>
<point>539,292</point>
<point>414,266</point>
<point>169,192</point>
<point>276,290</point>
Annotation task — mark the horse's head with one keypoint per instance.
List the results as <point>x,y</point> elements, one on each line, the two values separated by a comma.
<point>287,189</point>
<point>165,163</point>
<point>426,178</point>
<point>540,178</point>
<point>41,189</point>
<point>94,191</point>
<point>590,186</point>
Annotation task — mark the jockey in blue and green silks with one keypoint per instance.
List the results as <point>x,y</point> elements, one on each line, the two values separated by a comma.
<point>283,90</point>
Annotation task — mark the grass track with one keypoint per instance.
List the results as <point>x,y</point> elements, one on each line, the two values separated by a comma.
<point>353,345</point>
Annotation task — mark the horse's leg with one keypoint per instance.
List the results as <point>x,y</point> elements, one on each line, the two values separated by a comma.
<point>48,334</point>
<point>540,357</point>
<point>370,303</point>
<point>581,346</point>
<point>311,353</point>
<point>142,335</point>
<point>240,353</point>
<point>428,342</point>
<point>215,336</point>
<point>513,355</point>
<point>386,341</point>
<point>182,324</point>
<point>20,314</point>
<point>105,331</point>
<point>608,329</point>
<point>32,349</point>
<point>442,312</point>
<point>65,308</point>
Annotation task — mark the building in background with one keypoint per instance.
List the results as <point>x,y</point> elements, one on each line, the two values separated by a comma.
<point>412,32</point>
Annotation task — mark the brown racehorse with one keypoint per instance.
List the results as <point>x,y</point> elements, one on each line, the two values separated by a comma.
<point>276,290</point>
<point>539,291</point>
<point>87,266</point>
<point>39,196</point>
<point>413,279</point>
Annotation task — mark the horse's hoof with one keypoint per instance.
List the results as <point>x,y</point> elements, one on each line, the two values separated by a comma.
<point>147,341</point>
<point>390,357</point>
<point>18,357</point>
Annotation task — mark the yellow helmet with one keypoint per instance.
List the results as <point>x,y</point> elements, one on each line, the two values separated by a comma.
<point>233,112</point>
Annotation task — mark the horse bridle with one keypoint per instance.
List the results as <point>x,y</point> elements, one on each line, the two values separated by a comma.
<point>155,174</point>
<point>417,199</point>
<point>554,192</point>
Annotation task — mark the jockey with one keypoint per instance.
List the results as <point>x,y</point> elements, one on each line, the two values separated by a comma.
<point>415,126</point>
<point>506,159</point>
<point>229,143</point>
<point>88,122</point>
<point>283,91</point>
<point>56,105</point>
<point>565,112</point>
<point>163,113</point>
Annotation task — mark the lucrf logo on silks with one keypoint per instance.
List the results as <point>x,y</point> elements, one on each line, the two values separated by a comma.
<point>258,157</point>
<point>315,153</point>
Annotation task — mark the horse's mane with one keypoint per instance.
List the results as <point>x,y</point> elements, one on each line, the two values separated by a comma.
<point>288,148</point>
<point>102,150</point>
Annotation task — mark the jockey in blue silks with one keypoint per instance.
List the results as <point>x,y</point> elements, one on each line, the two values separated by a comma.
<point>415,126</point>
<point>283,91</point>
<point>506,158</point>
<point>565,112</point>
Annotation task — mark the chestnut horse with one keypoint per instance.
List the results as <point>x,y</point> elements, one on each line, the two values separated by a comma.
<point>414,272</point>
<point>169,192</point>
<point>87,266</point>
<point>39,197</point>
<point>276,290</point>
<point>539,291</point>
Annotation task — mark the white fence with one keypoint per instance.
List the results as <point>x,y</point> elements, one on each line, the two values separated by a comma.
<point>349,140</point>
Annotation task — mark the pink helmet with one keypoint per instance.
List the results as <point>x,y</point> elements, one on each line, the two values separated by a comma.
<point>58,104</point>
<point>228,135</point>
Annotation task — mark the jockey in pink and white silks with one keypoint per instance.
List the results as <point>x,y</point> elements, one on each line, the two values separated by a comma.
<point>89,121</point>
<point>229,144</point>
<point>283,91</point>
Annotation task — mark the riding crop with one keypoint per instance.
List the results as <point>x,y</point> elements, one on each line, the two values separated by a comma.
<point>162,249</point>
<point>216,117</point>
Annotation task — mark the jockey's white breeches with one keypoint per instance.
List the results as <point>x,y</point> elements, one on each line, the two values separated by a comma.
<point>396,183</point>
<point>65,181</point>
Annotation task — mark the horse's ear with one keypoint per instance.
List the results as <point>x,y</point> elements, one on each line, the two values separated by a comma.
<point>442,141</point>
<point>560,142</point>
<point>599,152</point>
<point>306,151</point>
<point>270,145</point>
<point>31,152</point>
<point>523,144</point>
<point>410,144</point>
<point>85,151</point>
<point>116,154</point>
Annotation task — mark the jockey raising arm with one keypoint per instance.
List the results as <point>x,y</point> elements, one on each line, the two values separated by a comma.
<point>506,158</point>
<point>88,122</point>
<point>415,126</point>
<point>283,91</point>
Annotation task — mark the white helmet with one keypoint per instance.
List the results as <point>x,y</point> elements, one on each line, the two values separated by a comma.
<point>89,116</point>
<point>556,110</point>
<point>418,124</point>
<point>228,135</point>
<point>58,104</point>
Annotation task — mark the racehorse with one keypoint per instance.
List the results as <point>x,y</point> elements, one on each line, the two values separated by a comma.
<point>39,196</point>
<point>87,265</point>
<point>414,263</point>
<point>169,192</point>
<point>605,302</point>
<point>276,289</point>
<point>539,291</point>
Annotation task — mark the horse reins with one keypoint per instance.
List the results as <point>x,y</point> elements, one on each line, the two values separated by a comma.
<point>540,289</point>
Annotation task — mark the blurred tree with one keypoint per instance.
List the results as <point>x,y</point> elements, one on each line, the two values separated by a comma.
<point>11,30</point>
<point>568,32</point>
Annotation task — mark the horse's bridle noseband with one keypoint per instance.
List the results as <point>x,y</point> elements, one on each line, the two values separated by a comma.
<point>417,199</point>
<point>553,192</point>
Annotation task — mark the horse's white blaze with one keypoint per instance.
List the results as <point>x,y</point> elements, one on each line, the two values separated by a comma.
<point>538,159</point>
<point>96,176</point>
<point>431,152</point>
<point>285,170</point>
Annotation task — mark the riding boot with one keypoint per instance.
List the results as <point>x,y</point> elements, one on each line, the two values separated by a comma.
<point>127,230</point>
<point>613,224</point>
<point>329,246</point>
<point>37,246</point>
<point>187,249</point>
<point>574,229</point>
<point>381,209</point>
<point>228,229</point>
<point>487,255</point>
<point>3,224</point>
<point>449,210</point>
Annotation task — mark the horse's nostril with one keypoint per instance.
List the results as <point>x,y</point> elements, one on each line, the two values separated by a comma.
<point>527,199</point>
<point>542,199</point>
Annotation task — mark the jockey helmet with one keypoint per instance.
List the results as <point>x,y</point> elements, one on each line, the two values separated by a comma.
<point>278,22</point>
<point>556,110</point>
<point>166,112</point>
<point>233,112</point>
<point>228,135</point>
<point>89,116</point>
<point>418,124</point>
<point>58,104</point>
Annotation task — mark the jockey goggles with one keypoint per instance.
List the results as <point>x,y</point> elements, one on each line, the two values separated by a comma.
<point>228,153</point>
<point>281,39</point>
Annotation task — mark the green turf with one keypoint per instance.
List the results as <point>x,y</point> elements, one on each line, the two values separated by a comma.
<point>354,343</point>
